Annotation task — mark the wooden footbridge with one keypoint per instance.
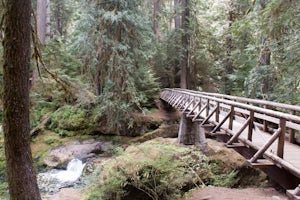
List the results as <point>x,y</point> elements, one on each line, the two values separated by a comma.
<point>265,129</point>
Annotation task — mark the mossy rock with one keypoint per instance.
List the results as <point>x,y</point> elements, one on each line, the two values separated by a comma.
<point>172,167</point>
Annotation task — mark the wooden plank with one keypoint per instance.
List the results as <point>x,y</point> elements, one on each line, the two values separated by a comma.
<point>262,163</point>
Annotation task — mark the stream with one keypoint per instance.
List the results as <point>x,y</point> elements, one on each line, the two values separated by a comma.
<point>53,180</point>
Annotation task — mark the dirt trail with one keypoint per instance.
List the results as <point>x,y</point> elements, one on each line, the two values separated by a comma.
<point>221,193</point>
<point>65,194</point>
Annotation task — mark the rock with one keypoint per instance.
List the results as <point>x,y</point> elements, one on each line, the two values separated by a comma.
<point>165,131</point>
<point>61,155</point>
<point>276,198</point>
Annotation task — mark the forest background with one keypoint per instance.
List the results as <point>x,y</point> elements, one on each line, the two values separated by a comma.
<point>100,61</point>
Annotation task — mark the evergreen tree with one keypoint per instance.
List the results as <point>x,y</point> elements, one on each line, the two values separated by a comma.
<point>16,43</point>
<point>117,49</point>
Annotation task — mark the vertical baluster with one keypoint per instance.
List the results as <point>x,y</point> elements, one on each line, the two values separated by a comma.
<point>265,122</point>
<point>218,112</point>
<point>230,125</point>
<point>250,130</point>
<point>280,148</point>
<point>207,107</point>
<point>292,131</point>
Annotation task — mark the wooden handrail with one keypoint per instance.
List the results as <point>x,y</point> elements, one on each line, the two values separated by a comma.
<point>272,113</point>
<point>248,100</point>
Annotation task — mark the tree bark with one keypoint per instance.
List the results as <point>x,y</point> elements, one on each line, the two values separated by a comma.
<point>265,60</point>
<point>19,164</point>
<point>177,16</point>
<point>228,60</point>
<point>185,46</point>
<point>186,134</point>
<point>156,12</point>
<point>43,20</point>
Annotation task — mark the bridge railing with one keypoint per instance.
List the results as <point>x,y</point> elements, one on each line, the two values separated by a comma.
<point>218,109</point>
<point>292,109</point>
<point>270,105</point>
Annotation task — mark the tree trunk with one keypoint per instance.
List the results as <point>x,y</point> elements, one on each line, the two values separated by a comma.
<point>19,164</point>
<point>185,45</point>
<point>186,134</point>
<point>58,10</point>
<point>177,16</point>
<point>265,60</point>
<point>228,61</point>
<point>156,12</point>
<point>43,20</point>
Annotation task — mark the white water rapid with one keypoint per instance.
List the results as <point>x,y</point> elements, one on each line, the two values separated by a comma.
<point>51,181</point>
<point>73,172</point>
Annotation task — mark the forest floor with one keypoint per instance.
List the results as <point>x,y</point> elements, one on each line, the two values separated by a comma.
<point>221,193</point>
<point>66,194</point>
<point>207,193</point>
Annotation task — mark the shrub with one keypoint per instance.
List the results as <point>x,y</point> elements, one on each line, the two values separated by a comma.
<point>152,170</point>
<point>67,119</point>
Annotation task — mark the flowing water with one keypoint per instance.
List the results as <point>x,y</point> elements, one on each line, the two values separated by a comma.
<point>53,180</point>
<point>73,172</point>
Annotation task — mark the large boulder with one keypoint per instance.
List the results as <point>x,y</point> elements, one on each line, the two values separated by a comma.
<point>59,156</point>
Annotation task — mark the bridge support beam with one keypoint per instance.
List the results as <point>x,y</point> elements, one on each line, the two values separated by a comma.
<point>192,133</point>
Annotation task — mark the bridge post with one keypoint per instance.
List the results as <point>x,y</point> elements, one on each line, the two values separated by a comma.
<point>186,134</point>
<point>280,148</point>
<point>192,133</point>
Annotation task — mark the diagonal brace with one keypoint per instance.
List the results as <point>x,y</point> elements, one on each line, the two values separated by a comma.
<point>221,123</point>
<point>233,138</point>
<point>209,116</point>
<point>266,146</point>
<point>199,113</point>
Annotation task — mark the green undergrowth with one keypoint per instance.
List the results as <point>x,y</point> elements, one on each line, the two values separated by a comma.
<point>159,169</point>
<point>70,119</point>
<point>3,177</point>
<point>153,170</point>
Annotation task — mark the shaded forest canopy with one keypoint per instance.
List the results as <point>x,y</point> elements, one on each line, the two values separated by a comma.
<point>110,58</point>
<point>123,52</point>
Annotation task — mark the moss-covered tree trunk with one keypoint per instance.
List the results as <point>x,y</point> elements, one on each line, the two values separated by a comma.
<point>17,31</point>
<point>185,134</point>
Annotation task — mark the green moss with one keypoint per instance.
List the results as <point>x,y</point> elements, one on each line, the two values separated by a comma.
<point>50,140</point>
<point>3,178</point>
<point>69,119</point>
<point>162,171</point>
